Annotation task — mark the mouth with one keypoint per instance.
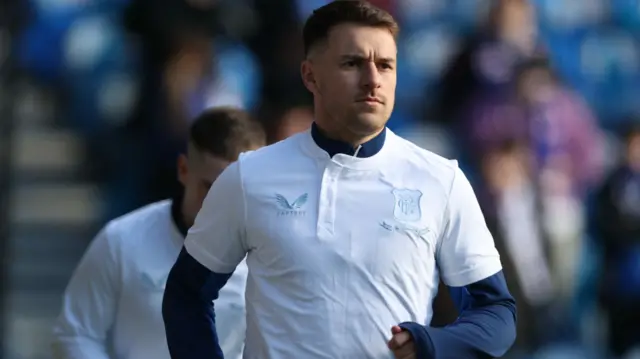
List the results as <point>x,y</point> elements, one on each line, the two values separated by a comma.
<point>370,100</point>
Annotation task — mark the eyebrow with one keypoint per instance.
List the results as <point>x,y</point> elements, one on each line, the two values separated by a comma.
<point>353,57</point>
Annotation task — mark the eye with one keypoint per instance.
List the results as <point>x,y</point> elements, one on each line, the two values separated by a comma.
<point>386,66</point>
<point>350,64</point>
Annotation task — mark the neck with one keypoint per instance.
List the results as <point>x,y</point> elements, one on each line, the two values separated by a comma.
<point>186,219</point>
<point>334,146</point>
<point>345,135</point>
<point>178,214</point>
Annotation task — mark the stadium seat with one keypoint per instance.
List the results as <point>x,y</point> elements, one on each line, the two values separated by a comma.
<point>626,13</point>
<point>566,16</point>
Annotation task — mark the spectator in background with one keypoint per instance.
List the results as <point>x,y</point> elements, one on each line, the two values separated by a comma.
<point>511,209</point>
<point>174,38</point>
<point>566,154</point>
<point>568,151</point>
<point>618,222</point>
<point>564,130</point>
<point>481,75</point>
<point>485,65</point>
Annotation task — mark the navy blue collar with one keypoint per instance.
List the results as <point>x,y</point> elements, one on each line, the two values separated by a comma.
<point>334,147</point>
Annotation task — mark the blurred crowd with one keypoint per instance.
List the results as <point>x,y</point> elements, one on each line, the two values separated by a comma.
<point>538,100</point>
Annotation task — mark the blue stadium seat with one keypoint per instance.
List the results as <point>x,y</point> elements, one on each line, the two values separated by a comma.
<point>566,16</point>
<point>96,56</point>
<point>609,68</point>
<point>466,14</point>
<point>603,64</point>
<point>415,15</point>
<point>626,13</point>
<point>239,73</point>
<point>95,44</point>
<point>39,46</point>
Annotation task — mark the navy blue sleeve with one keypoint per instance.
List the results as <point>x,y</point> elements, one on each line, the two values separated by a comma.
<point>187,309</point>
<point>485,328</point>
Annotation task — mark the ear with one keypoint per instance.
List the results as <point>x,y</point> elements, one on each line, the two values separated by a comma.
<point>183,169</point>
<point>308,76</point>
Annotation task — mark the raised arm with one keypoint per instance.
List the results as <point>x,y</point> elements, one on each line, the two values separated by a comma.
<point>89,304</point>
<point>213,248</point>
<point>470,266</point>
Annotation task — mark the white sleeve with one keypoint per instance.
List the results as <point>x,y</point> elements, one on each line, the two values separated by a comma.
<point>466,251</point>
<point>216,239</point>
<point>89,304</point>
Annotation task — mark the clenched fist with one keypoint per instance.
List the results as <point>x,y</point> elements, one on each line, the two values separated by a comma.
<point>401,344</point>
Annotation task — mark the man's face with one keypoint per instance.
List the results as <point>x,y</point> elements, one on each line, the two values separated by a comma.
<point>197,173</point>
<point>353,77</point>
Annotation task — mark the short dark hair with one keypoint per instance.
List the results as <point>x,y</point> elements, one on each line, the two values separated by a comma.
<point>226,132</point>
<point>325,18</point>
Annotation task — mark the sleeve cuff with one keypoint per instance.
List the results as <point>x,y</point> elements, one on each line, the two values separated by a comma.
<point>204,258</point>
<point>420,335</point>
<point>464,278</point>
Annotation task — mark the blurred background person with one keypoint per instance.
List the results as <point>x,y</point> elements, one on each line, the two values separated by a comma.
<point>478,74</point>
<point>511,209</point>
<point>95,98</point>
<point>566,158</point>
<point>568,154</point>
<point>485,64</point>
<point>618,223</point>
<point>176,65</point>
<point>111,308</point>
<point>175,42</point>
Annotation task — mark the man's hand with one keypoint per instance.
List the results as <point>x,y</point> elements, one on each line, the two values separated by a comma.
<point>401,344</point>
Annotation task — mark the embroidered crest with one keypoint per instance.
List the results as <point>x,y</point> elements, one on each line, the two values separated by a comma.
<point>407,205</point>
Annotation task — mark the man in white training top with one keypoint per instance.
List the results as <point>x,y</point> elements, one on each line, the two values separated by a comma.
<point>112,306</point>
<point>347,228</point>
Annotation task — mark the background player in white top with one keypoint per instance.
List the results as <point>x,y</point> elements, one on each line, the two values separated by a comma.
<point>112,306</point>
<point>347,227</point>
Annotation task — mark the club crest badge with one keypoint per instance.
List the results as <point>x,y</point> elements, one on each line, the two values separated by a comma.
<point>407,205</point>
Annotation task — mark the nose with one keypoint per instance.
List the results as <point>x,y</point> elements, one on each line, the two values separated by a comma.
<point>371,78</point>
